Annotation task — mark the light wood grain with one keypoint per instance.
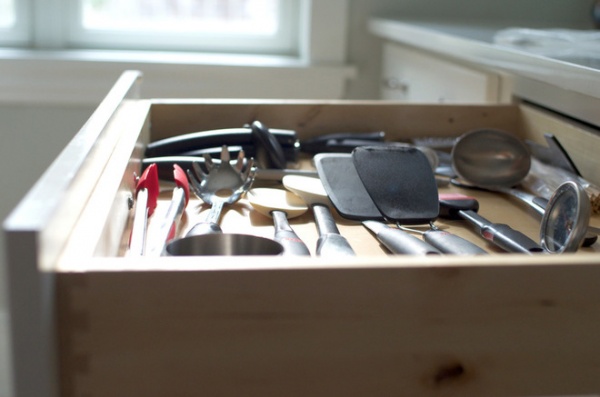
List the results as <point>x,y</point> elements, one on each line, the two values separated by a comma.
<point>579,140</point>
<point>393,330</point>
<point>310,118</point>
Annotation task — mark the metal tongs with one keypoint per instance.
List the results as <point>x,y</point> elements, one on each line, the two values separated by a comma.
<point>147,190</point>
<point>179,200</point>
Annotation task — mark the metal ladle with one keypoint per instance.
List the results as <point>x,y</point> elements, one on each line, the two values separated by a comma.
<point>496,160</point>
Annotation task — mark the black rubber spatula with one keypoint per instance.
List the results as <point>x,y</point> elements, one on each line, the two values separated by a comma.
<point>400,182</point>
<point>344,187</point>
<point>402,186</point>
<point>350,198</point>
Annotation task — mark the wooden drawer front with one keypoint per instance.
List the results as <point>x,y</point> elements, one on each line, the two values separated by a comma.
<point>503,324</point>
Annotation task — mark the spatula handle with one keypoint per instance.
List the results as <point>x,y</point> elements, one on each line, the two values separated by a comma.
<point>400,242</point>
<point>330,242</point>
<point>449,243</point>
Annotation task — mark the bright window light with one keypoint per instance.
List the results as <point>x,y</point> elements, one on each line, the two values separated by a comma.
<point>214,16</point>
<point>241,26</point>
<point>7,13</point>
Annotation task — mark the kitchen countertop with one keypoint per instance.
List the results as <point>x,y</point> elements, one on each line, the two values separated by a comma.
<point>560,84</point>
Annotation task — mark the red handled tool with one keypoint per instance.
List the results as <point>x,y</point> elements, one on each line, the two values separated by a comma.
<point>181,196</point>
<point>146,199</point>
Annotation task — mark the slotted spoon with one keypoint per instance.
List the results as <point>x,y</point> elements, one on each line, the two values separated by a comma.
<point>222,185</point>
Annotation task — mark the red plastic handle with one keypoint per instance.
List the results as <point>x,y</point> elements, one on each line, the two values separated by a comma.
<point>149,181</point>
<point>182,181</point>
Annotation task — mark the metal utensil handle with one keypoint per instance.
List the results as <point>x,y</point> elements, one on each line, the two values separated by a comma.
<point>330,242</point>
<point>502,235</point>
<point>211,224</point>
<point>285,235</point>
<point>137,241</point>
<point>449,243</point>
<point>169,223</point>
<point>400,242</point>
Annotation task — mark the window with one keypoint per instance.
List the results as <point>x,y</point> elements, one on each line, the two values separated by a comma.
<point>266,26</point>
<point>7,14</point>
<point>240,26</point>
<point>13,29</point>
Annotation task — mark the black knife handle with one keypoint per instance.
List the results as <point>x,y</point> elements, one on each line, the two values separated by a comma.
<point>213,138</point>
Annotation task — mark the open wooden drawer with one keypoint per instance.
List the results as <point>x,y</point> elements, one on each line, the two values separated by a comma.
<point>89,321</point>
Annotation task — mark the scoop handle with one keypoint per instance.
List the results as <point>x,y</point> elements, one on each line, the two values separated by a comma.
<point>285,235</point>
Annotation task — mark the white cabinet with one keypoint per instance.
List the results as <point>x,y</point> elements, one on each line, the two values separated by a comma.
<point>418,76</point>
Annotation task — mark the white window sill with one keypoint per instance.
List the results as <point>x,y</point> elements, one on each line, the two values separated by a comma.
<point>85,76</point>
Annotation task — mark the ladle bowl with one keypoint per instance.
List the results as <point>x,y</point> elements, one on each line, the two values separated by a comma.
<point>223,244</point>
<point>491,158</point>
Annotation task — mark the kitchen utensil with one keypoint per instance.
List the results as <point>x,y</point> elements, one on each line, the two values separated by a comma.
<point>147,189</point>
<point>330,243</point>
<point>341,142</point>
<point>458,206</point>
<point>165,165</point>
<point>400,182</point>
<point>280,205</point>
<point>223,244</point>
<point>491,158</point>
<point>179,200</point>
<point>407,196</point>
<point>497,161</point>
<point>269,153</point>
<point>223,184</point>
<point>565,222</point>
<point>494,160</point>
<point>344,187</point>
<point>398,241</point>
<point>350,197</point>
<point>190,142</point>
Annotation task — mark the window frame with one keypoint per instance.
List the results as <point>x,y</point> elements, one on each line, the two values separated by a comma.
<point>317,18</point>
<point>44,72</point>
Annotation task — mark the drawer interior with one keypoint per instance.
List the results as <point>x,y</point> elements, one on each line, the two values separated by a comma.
<point>104,227</point>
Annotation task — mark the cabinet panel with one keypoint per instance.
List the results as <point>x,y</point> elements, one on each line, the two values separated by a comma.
<point>417,76</point>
